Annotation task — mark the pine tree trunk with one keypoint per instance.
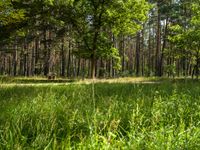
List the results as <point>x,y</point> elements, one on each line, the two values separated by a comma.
<point>63,60</point>
<point>142,52</point>
<point>46,54</point>
<point>37,55</point>
<point>93,62</point>
<point>197,65</point>
<point>158,42</point>
<point>15,61</point>
<point>137,61</point>
<point>33,59</point>
<point>123,53</point>
<point>149,52</point>
<point>163,48</point>
<point>79,66</point>
<point>69,61</point>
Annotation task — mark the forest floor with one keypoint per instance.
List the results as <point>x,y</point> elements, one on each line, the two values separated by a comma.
<point>41,81</point>
<point>123,113</point>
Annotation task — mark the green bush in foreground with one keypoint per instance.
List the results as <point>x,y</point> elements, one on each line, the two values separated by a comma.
<point>106,116</point>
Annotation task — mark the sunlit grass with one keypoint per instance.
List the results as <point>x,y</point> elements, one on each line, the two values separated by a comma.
<point>6,80</point>
<point>118,116</point>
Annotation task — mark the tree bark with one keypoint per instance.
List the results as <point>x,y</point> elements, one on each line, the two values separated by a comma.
<point>93,62</point>
<point>149,52</point>
<point>46,54</point>
<point>69,61</point>
<point>158,41</point>
<point>163,48</point>
<point>15,61</point>
<point>137,61</point>
<point>63,59</point>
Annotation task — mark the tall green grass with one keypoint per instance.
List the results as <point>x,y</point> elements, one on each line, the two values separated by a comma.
<point>115,116</point>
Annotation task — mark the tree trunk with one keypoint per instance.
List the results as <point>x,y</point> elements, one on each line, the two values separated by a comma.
<point>149,52</point>
<point>137,61</point>
<point>93,62</point>
<point>37,46</point>
<point>163,48</point>
<point>63,60</point>
<point>69,61</point>
<point>123,53</point>
<point>15,61</point>
<point>33,59</point>
<point>197,65</point>
<point>158,40</point>
<point>46,54</point>
<point>79,66</point>
<point>142,51</point>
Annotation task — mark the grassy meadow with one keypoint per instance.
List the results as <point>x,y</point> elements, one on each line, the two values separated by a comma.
<point>154,114</point>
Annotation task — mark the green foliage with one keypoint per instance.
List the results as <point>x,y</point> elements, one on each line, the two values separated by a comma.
<point>96,22</point>
<point>92,23</point>
<point>9,15</point>
<point>186,39</point>
<point>127,17</point>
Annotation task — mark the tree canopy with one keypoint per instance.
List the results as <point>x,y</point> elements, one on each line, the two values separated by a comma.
<point>100,37</point>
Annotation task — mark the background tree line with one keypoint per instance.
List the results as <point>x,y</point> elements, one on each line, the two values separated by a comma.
<point>99,38</point>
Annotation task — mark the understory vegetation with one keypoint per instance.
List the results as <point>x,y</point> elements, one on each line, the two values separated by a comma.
<point>160,115</point>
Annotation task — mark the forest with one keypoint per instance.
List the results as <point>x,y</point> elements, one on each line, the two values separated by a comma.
<point>100,39</point>
<point>99,74</point>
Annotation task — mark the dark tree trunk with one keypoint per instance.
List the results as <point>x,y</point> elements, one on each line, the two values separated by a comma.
<point>46,63</point>
<point>163,48</point>
<point>15,61</point>
<point>158,41</point>
<point>93,62</point>
<point>123,53</point>
<point>69,61</point>
<point>79,66</point>
<point>9,66</point>
<point>149,52</point>
<point>197,65</point>
<point>37,47</point>
<point>33,60</point>
<point>137,61</point>
<point>25,64</point>
<point>63,60</point>
<point>142,52</point>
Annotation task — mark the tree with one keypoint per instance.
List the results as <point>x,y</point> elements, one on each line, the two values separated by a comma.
<point>95,22</point>
<point>186,39</point>
<point>10,19</point>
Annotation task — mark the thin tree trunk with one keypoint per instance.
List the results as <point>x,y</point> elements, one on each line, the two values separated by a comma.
<point>63,60</point>
<point>69,61</point>
<point>197,64</point>
<point>123,53</point>
<point>93,62</point>
<point>137,61</point>
<point>46,54</point>
<point>163,48</point>
<point>158,40</point>
<point>33,59</point>
<point>142,52</point>
<point>9,66</point>
<point>15,61</point>
<point>149,52</point>
<point>37,46</point>
<point>79,66</point>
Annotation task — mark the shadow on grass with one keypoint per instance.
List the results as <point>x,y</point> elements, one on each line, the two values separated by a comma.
<point>4,79</point>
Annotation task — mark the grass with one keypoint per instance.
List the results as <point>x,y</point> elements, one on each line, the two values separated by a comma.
<point>29,80</point>
<point>119,115</point>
